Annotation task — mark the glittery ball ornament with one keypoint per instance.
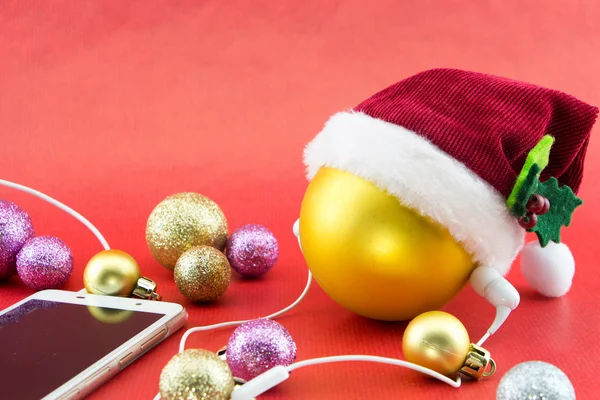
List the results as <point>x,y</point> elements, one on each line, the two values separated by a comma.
<point>44,262</point>
<point>202,274</point>
<point>252,250</point>
<point>257,346</point>
<point>196,374</point>
<point>15,229</point>
<point>535,380</point>
<point>182,221</point>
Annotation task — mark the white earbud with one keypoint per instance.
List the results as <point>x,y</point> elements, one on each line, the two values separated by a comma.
<point>488,283</point>
<point>296,230</point>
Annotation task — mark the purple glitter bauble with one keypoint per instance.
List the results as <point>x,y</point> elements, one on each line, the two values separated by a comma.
<point>44,262</point>
<point>252,250</point>
<point>15,229</point>
<point>257,346</point>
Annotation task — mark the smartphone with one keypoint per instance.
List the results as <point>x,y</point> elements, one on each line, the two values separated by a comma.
<point>63,345</point>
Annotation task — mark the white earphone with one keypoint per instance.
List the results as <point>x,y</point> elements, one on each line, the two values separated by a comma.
<point>486,282</point>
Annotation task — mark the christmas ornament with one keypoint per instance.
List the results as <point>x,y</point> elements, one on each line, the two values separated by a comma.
<point>116,273</point>
<point>257,346</point>
<point>550,273</point>
<point>202,273</point>
<point>196,375</point>
<point>439,341</point>
<point>431,165</point>
<point>252,250</point>
<point>535,380</point>
<point>182,221</point>
<point>15,229</point>
<point>387,261</point>
<point>44,262</point>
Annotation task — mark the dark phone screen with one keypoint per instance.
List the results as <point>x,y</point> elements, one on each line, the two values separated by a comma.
<point>43,344</point>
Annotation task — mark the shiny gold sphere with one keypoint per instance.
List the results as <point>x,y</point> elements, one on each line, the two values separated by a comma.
<point>202,274</point>
<point>182,221</point>
<point>373,255</point>
<point>196,374</point>
<point>110,315</point>
<point>436,340</point>
<point>112,273</point>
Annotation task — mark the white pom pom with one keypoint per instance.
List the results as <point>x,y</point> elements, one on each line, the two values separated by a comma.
<point>550,269</point>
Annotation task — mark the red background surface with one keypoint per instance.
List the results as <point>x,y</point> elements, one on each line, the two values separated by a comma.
<point>111,106</point>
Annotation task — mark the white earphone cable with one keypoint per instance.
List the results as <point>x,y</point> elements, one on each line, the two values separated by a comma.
<point>233,323</point>
<point>484,338</point>
<point>187,333</point>
<point>382,360</point>
<point>348,358</point>
<point>305,363</point>
<point>60,205</point>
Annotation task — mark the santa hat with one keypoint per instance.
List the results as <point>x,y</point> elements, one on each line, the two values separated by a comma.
<point>470,151</point>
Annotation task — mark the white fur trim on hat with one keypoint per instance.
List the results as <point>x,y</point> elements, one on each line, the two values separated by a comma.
<point>424,178</point>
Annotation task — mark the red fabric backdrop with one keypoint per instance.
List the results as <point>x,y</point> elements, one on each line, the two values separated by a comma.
<point>111,106</point>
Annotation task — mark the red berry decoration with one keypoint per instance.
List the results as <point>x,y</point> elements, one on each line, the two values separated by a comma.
<point>545,208</point>
<point>528,221</point>
<point>535,204</point>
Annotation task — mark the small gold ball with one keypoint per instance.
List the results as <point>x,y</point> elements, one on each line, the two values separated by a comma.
<point>111,272</point>
<point>436,340</point>
<point>196,374</point>
<point>182,221</point>
<point>202,273</point>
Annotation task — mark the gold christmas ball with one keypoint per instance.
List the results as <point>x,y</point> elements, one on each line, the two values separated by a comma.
<point>112,273</point>
<point>202,273</point>
<point>196,374</point>
<point>182,221</point>
<point>436,340</point>
<point>373,255</point>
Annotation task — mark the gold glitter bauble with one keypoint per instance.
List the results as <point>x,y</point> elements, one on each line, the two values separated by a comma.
<point>182,221</point>
<point>112,273</point>
<point>196,374</point>
<point>202,273</point>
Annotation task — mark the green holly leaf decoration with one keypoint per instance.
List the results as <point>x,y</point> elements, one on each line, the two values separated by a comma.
<point>563,203</point>
<point>528,187</point>
<point>536,161</point>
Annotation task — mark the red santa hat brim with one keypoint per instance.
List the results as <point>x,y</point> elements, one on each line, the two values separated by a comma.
<point>424,178</point>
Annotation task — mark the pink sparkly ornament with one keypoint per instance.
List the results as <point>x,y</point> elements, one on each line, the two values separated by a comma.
<point>252,250</point>
<point>15,229</point>
<point>44,262</point>
<point>257,346</point>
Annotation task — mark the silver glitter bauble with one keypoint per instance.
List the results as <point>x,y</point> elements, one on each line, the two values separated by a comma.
<point>535,380</point>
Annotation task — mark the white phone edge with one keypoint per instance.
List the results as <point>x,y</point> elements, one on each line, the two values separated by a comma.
<point>104,369</point>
